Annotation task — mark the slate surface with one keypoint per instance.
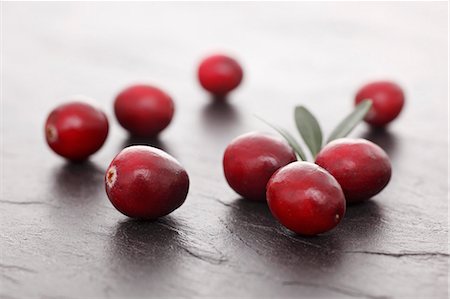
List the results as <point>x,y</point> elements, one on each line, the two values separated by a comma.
<point>61,238</point>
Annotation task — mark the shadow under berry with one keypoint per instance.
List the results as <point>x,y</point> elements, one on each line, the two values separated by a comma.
<point>383,138</point>
<point>220,116</point>
<point>267,247</point>
<point>148,254</point>
<point>78,183</point>
<point>150,141</point>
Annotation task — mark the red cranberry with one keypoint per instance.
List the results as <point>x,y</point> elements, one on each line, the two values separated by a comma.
<point>251,159</point>
<point>76,130</point>
<point>387,102</point>
<point>144,110</point>
<point>305,198</point>
<point>361,167</point>
<point>145,182</point>
<point>219,74</point>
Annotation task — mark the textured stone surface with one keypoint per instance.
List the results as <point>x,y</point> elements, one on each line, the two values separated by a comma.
<point>60,236</point>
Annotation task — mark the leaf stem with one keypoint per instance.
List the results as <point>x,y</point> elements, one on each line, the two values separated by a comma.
<point>289,138</point>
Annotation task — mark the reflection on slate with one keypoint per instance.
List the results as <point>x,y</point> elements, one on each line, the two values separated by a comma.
<point>146,244</point>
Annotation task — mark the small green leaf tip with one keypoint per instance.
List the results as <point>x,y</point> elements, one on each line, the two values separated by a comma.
<point>309,129</point>
<point>351,121</point>
<point>289,138</point>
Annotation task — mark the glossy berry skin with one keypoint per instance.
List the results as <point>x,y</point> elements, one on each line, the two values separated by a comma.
<point>387,102</point>
<point>220,74</point>
<point>144,110</point>
<point>305,198</point>
<point>251,159</point>
<point>361,167</point>
<point>76,130</point>
<point>146,183</point>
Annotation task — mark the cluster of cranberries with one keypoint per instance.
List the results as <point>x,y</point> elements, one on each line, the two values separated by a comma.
<point>147,183</point>
<point>310,198</point>
<point>307,198</point>
<point>141,181</point>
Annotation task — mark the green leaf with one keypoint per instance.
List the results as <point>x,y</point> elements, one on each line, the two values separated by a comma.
<point>350,122</point>
<point>289,138</point>
<point>309,128</point>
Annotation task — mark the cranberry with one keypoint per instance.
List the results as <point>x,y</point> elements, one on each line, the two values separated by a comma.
<point>387,102</point>
<point>361,167</point>
<point>305,198</point>
<point>251,159</point>
<point>76,130</point>
<point>144,110</point>
<point>145,182</point>
<point>219,74</point>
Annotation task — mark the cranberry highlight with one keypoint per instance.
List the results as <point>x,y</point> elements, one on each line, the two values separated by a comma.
<point>146,183</point>
<point>76,130</point>
<point>250,160</point>
<point>220,74</point>
<point>361,167</point>
<point>144,110</point>
<point>387,102</point>
<point>305,198</point>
